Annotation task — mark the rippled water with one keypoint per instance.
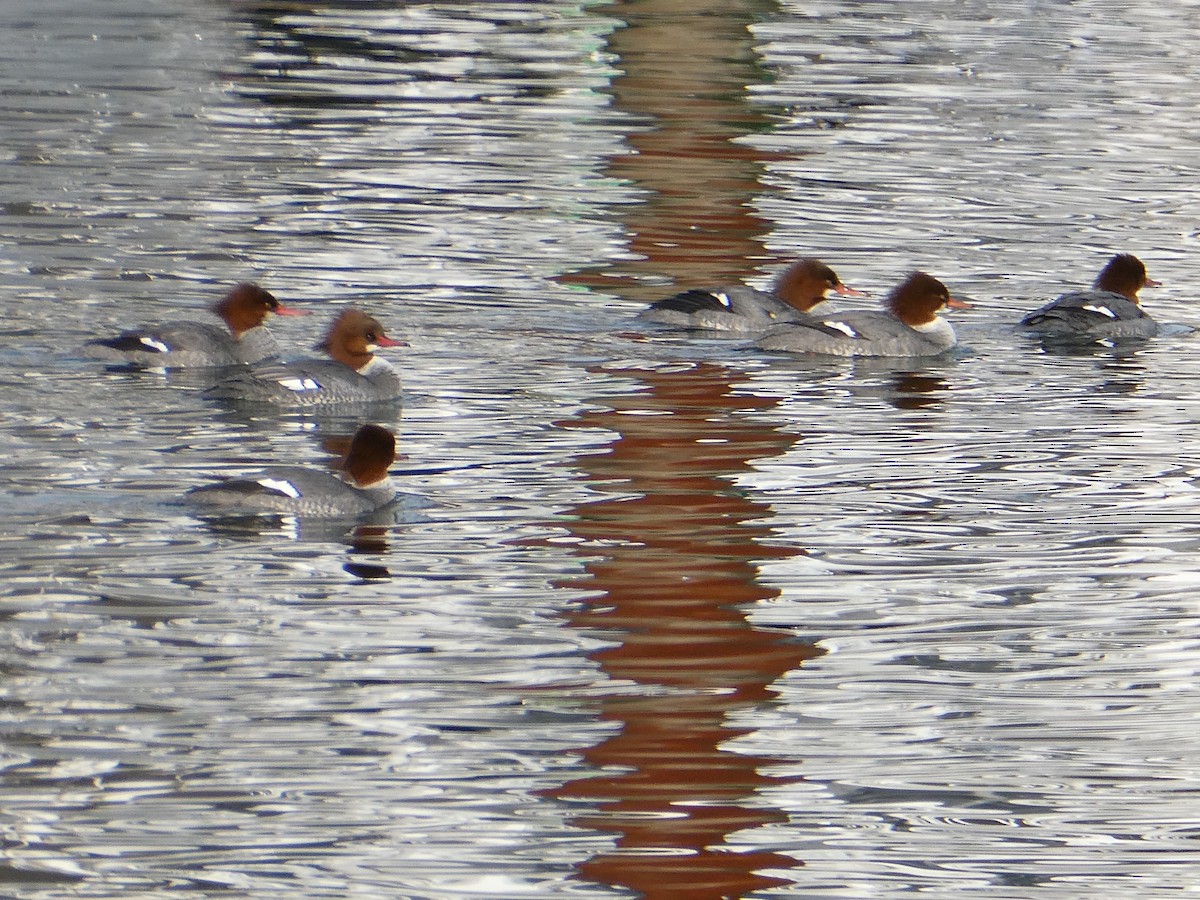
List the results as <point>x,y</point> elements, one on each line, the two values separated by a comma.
<point>664,616</point>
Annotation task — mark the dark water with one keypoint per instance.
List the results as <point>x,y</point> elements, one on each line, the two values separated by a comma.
<point>666,616</point>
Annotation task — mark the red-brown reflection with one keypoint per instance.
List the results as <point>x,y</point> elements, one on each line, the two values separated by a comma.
<point>673,551</point>
<point>673,554</point>
<point>686,65</point>
<point>916,390</point>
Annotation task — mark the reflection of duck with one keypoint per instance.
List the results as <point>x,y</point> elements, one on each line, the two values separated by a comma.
<point>353,374</point>
<point>363,486</point>
<point>368,540</point>
<point>914,390</point>
<point>1109,310</point>
<point>911,326</point>
<point>800,289</point>
<point>181,345</point>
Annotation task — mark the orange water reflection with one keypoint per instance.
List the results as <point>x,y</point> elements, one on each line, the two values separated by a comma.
<point>673,553</point>
<point>685,66</point>
<point>672,545</point>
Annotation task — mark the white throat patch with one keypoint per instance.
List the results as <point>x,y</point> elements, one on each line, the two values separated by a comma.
<point>939,331</point>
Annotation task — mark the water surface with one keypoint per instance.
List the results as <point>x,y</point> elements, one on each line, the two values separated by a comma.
<point>668,616</point>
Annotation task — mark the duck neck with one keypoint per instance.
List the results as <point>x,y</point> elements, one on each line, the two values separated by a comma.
<point>378,369</point>
<point>939,331</point>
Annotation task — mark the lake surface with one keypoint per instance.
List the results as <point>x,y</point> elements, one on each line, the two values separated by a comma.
<point>664,616</point>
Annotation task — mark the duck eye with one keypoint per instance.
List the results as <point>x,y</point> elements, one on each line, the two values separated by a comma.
<point>371,336</point>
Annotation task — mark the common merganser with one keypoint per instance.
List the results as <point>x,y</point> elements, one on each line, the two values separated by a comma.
<point>800,289</point>
<point>910,327</point>
<point>1110,310</point>
<point>353,374</point>
<point>184,345</point>
<point>362,486</point>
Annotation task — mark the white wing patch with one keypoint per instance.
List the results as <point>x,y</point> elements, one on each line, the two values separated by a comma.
<point>284,487</point>
<point>842,327</point>
<point>300,385</point>
<point>154,344</point>
<point>1103,310</point>
<point>723,299</point>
